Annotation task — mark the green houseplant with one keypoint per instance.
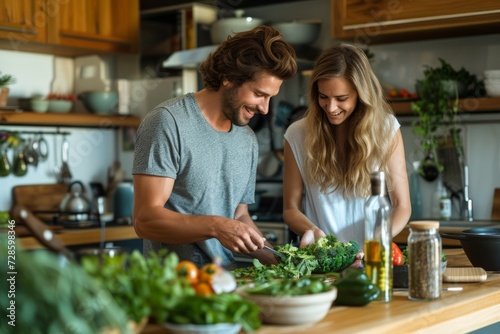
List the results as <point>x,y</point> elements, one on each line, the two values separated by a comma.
<point>436,108</point>
<point>5,80</point>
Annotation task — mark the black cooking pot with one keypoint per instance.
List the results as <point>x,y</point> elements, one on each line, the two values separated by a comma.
<point>481,245</point>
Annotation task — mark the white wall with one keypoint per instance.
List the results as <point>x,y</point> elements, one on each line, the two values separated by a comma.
<point>92,151</point>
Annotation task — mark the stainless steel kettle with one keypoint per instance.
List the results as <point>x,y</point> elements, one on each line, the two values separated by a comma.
<point>75,204</point>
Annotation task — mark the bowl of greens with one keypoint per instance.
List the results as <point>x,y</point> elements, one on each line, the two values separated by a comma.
<point>291,301</point>
<point>326,256</point>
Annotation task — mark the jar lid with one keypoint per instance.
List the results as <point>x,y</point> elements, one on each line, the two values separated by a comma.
<point>424,225</point>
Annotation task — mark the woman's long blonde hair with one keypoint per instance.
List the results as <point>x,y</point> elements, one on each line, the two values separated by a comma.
<point>369,142</point>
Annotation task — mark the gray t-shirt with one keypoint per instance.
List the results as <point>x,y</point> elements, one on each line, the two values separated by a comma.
<point>213,171</point>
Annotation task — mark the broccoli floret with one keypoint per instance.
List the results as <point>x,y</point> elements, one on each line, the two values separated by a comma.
<point>335,256</point>
<point>327,241</point>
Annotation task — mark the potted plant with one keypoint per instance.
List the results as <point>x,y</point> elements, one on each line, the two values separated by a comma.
<point>436,108</point>
<point>5,80</point>
<point>461,80</point>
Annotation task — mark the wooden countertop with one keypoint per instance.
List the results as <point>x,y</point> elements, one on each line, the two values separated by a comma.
<point>478,305</point>
<point>73,237</point>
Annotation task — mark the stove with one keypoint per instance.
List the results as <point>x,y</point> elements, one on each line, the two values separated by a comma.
<point>77,220</point>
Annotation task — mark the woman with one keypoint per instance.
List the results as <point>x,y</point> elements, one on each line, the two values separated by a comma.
<point>348,132</point>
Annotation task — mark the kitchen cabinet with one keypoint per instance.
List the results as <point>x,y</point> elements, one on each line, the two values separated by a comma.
<point>22,22</point>
<point>68,119</point>
<point>148,4</point>
<point>70,28</point>
<point>383,21</point>
<point>103,25</point>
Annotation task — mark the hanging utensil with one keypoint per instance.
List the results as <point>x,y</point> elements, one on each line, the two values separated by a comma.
<point>42,148</point>
<point>20,166</point>
<point>65,172</point>
<point>4,161</point>
<point>29,155</point>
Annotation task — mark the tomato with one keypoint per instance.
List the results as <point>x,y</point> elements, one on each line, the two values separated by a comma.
<point>207,273</point>
<point>203,289</point>
<point>404,93</point>
<point>397,255</point>
<point>393,93</point>
<point>188,270</point>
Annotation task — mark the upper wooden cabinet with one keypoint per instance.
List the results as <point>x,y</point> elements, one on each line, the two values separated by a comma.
<point>71,27</point>
<point>105,25</point>
<point>22,22</point>
<point>384,21</point>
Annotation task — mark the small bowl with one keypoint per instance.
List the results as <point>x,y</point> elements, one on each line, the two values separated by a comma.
<point>60,106</point>
<point>292,310</point>
<point>299,33</point>
<point>492,87</point>
<point>203,329</point>
<point>39,105</point>
<point>492,74</point>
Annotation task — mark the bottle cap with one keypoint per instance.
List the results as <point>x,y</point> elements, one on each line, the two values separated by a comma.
<point>424,225</point>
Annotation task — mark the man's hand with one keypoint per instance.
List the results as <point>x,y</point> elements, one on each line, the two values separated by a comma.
<point>239,237</point>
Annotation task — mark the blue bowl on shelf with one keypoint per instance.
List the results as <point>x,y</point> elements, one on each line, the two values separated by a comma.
<point>103,103</point>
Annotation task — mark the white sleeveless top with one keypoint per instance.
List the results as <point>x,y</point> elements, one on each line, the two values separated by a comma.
<point>331,212</point>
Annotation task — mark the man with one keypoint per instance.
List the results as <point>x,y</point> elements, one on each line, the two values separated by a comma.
<point>195,157</point>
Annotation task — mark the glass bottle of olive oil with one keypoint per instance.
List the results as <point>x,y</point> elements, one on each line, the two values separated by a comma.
<point>378,237</point>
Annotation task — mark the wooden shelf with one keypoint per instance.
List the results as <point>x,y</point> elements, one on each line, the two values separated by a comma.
<point>467,105</point>
<point>68,119</point>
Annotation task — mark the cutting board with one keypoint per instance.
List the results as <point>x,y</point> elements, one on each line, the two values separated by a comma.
<point>39,197</point>
<point>464,274</point>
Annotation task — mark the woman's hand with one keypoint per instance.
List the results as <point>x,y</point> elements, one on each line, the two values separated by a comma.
<point>358,263</point>
<point>310,236</point>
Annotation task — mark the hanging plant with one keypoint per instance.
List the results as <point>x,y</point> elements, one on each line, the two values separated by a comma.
<point>436,115</point>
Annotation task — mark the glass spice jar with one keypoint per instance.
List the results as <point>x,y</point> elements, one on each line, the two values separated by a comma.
<point>424,261</point>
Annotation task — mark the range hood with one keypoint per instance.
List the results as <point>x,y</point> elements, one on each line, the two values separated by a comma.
<point>190,59</point>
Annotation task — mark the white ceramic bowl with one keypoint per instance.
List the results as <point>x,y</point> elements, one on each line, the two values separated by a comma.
<point>203,329</point>
<point>492,87</point>
<point>61,106</point>
<point>492,74</point>
<point>292,310</point>
<point>299,33</point>
<point>223,28</point>
<point>39,105</point>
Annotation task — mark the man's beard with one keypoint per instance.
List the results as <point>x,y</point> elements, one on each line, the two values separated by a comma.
<point>231,107</point>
